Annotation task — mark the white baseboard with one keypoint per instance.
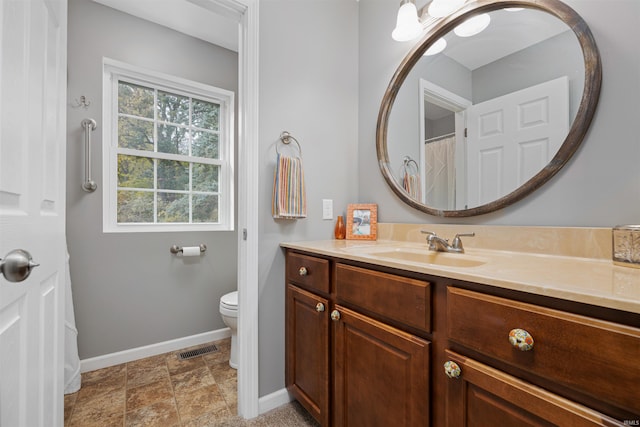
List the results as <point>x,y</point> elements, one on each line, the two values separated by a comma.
<point>273,400</point>
<point>124,356</point>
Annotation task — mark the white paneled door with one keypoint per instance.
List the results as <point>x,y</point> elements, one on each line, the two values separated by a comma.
<point>513,137</point>
<point>33,40</point>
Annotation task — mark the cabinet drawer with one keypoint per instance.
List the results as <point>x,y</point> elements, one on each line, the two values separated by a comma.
<point>308,272</point>
<point>593,356</point>
<point>483,396</point>
<point>398,298</point>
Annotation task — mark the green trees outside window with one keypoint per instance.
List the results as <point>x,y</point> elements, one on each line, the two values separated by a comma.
<point>168,156</point>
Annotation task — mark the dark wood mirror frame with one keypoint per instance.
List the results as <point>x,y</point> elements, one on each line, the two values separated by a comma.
<point>586,110</point>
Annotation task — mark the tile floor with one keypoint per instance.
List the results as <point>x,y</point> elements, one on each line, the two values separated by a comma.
<point>157,391</point>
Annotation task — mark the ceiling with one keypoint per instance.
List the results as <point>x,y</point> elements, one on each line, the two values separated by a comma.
<point>508,32</point>
<point>196,18</point>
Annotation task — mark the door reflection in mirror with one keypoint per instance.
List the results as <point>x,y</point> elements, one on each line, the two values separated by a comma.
<point>490,87</point>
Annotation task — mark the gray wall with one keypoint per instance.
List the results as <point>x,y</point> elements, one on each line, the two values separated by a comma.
<point>404,120</point>
<point>600,185</point>
<point>537,64</point>
<point>308,86</point>
<point>443,126</point>
<point>128,289</point>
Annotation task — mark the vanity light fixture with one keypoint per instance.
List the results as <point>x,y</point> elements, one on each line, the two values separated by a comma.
<point>410,22</point>
<point>442,8</point>
<point>473,26</point>
<point>408,26</point>
<point>437,47</point>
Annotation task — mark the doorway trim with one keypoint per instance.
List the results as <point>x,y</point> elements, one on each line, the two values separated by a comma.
<point>248,166</point>
<point>245,12</point>
<point>441,97</point>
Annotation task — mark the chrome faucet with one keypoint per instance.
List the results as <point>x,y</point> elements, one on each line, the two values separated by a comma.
<point>439,244</point>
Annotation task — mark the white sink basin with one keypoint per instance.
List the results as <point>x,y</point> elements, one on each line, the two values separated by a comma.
<point>419,255</point>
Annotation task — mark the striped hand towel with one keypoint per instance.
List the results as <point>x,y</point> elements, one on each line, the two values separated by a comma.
<point>411,184</point>
<point>289,196</point>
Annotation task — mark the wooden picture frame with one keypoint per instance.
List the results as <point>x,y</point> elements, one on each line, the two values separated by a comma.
<point>362,221</point>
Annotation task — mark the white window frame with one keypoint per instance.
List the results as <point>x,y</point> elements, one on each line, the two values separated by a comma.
<point>113,71</point>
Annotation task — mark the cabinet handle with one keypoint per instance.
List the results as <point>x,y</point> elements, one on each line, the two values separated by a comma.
<point>451,369</point>
<point>521,339</point>
<point>303,271</point>
<point>319,307</point>
<point>335,315</point>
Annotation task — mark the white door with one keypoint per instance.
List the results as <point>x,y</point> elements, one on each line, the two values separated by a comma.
<point>512,137</point>
<point>33,40</point>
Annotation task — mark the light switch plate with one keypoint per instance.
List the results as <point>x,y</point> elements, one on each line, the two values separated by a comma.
<point>327,209</point>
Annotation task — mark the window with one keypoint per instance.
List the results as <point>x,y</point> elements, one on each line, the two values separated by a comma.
<point>167,153</point>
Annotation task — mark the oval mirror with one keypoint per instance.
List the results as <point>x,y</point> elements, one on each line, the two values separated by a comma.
<point>487,120</point>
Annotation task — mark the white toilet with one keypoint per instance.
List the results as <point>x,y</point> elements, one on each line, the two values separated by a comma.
<point>229,312</point>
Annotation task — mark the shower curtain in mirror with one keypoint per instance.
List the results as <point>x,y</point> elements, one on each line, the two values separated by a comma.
<point>440,173</point>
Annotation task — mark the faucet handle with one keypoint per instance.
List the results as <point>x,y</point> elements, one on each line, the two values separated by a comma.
<point>457,242</point>
<point>430,237</point>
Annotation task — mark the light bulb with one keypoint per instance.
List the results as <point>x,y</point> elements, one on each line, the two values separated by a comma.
<point>407,25</point>
<point>441,8</point>
<point>436,48</point>
<point>473,26</point>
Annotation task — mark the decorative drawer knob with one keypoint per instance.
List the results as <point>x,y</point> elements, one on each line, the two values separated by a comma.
<point>521,339</point>
<point>303,271</point>
<point>451,369</point>
<point>335,315</point>
<point>319,307</point>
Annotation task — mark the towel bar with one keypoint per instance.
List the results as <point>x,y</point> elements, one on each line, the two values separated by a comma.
<point>88,185</point>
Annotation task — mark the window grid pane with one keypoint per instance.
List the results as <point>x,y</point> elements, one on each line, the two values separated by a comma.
<point>134,100</point>
<point>178,191</point>
<point>195,203</point>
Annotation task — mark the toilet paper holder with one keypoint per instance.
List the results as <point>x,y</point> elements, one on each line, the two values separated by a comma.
<point>175,249</point>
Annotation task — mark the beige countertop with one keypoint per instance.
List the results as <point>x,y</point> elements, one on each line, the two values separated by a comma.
<point>595,281</point>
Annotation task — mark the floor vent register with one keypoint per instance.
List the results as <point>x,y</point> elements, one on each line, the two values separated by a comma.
<point>198,352</point>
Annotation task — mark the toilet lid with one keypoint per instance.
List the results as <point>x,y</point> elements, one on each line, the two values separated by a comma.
<point>230,300</point>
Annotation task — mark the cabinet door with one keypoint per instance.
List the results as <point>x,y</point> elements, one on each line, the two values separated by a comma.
<point>381,374</point>
<point>482,396</point>
<point>307,351</point>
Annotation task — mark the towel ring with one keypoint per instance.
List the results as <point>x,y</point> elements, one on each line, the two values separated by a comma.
<point>406,164</point>
<point>285,138</point>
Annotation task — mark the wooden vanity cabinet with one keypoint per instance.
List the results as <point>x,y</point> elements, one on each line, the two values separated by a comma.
<point>591,359</point>
<point>381,374</point>
<point>366,347</point>
<point>307,354</point>
<point>486,397</point>
<point>346,364</point>
<point>307,337</point>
